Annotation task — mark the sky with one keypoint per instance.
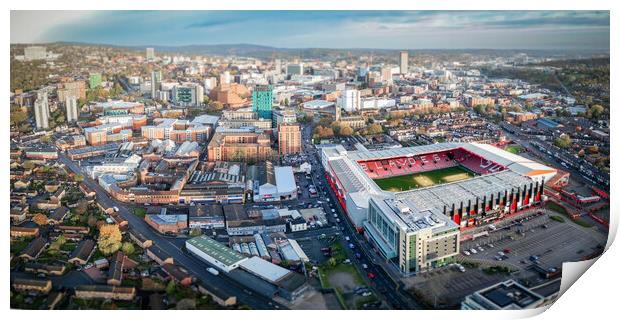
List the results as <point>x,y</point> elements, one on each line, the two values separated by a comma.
<point>553,30</point>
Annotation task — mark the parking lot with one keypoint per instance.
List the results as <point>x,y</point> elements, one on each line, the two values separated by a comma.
<point>446,287</point>
<point>539,240</point>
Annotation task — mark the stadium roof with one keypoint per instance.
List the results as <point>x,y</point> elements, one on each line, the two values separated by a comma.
<point>401,152</point>
<point>437,196</point>
<point>216,250</point>
<point>516,163</point>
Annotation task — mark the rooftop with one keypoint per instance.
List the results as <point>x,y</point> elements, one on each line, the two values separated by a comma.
<point>216,250</point>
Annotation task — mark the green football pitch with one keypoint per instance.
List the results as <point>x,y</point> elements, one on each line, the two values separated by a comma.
<point>423,179</point>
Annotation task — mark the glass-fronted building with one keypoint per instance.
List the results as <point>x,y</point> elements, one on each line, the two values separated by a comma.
<point>262,101</point>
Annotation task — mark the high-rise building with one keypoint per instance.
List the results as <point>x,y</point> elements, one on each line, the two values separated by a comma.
<point>150,54</point>
<point>210,83</point>
<point>289,138</point>
<point>155,83</point>
<point>386,74</point>
<point>35,53</point>
<point>350,100</point>
<point>278,66</point>
<point>94,80</point>
<point>295,69</point>
<point>262,101</point>
<point>225,78</point>
<point>71,108</point>
<point>42,110</point>
<point>403,62</point>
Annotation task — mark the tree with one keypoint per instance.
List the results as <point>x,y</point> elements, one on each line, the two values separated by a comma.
<point>332,262</point>
<point>78,177</point>
<point>55,246</point>
<point>81,207</point>
<point>171,288</point>
<point>346,131</point>
<point>109,239</point>
<point>40,219</point>
<point>375,128</point>
<point>128,248</point>
<point>28,165</point>
<point>595,112</point>
<point>195,232</point>
<point>92,221</point>
<point>564,141</point>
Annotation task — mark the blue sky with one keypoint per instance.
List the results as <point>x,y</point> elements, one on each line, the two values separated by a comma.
<point>321,29</point>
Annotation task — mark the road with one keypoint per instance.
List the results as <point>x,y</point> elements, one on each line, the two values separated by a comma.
<point>194,266</point>
<point>389,288</point>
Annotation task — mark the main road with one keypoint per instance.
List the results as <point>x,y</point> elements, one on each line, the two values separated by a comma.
<point>196,267</point>
<point>386,285</point>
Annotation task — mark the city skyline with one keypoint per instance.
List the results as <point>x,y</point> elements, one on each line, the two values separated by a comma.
<point>527,30</point>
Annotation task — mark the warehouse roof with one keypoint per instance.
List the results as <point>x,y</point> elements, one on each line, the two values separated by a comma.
<point>265,270</point>
<point>216,250</point>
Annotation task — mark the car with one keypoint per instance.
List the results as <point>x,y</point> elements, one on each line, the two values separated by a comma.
<point>534,258</point>
<point>338,220</point>
<point>366,294</point>
<point>335,215</point>
<point>473,251</point>
<point>365,266</point>
<point>347,238</point>
<point>351,246</point>
<point>461,268</point>
<point>371,275</point>
<point>507,250</point>
<point>466,252</point>
<point>500,253</point>
<point>481,249</point>
<point>491,245</point>
<point>358,255</point>
<point>346,261</point>
<point>213,271</point>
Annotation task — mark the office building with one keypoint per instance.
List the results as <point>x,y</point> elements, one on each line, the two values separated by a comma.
<point>239,146</point>
<point>278,66</point>
<point>403,62</point>
<point>415,241</point>
<point>295,69</point>
<point>189,94</point>
<point>283,116</point>
<point>42,110</point>
<point>349,100</point>
<point>386,75</point>
<point>176,130</point>
<point>289,138</point>
<point>150,54</point>
<point>155,83</point>
<point>71,108</point>
<point>262,101</point>
<point>225,78</point>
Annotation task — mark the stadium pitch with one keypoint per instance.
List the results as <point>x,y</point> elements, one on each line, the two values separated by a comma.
<point>423,179</point>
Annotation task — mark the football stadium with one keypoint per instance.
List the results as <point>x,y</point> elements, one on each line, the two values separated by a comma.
<point>411,203</point>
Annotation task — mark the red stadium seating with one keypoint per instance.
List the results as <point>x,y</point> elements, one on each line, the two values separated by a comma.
<point>392,167</point>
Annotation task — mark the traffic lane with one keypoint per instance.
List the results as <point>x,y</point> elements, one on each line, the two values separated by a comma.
<point>383,278</point>
<point>198,270</point>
